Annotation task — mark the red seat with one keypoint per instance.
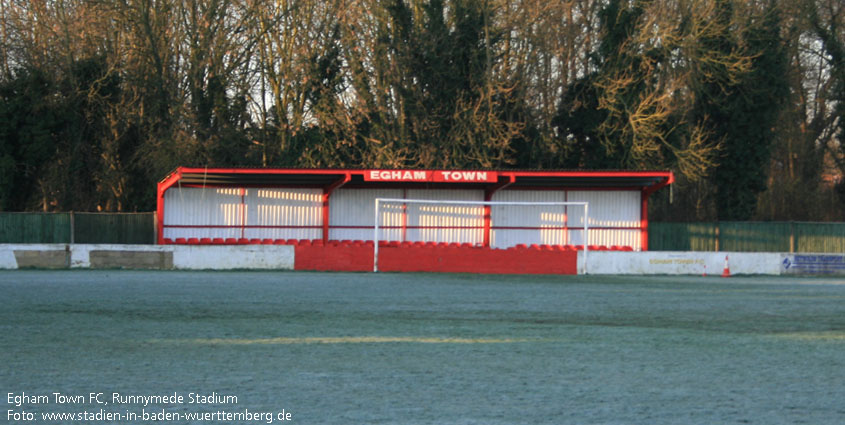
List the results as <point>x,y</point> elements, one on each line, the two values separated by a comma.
<point>231,241</point>
<point>466,245</point>
<point>181,241</point>
<point>193,241</point>
<point>218,241</point>
<point>205,241</point>
<point>627,248</point>
<point>282,242</point>
<point>267,241</point>
<point>317,242</point>
<point>168,241</point>
<point>579,247</point>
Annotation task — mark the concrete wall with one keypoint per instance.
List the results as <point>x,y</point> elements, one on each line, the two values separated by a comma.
<point>187,257</point>
<point>681,263</point>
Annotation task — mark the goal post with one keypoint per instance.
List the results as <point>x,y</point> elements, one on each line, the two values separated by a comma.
<point>452,219</point>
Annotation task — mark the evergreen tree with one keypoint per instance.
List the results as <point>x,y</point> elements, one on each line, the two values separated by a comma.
<point>742,110</point>
<point>619,116</point>
<point>28,125</point>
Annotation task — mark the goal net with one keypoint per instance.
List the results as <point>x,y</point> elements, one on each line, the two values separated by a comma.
<point>489,224</point>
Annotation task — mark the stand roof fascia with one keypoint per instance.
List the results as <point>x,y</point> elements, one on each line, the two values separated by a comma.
<point>647,181</point>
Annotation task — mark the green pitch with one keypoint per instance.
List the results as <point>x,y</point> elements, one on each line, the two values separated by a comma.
<point>421,348</point>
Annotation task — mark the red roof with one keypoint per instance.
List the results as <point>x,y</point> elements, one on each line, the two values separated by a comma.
<point>375,178</point>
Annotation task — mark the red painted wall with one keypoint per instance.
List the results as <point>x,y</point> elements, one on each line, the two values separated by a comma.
<point>436,259</point>
<point>340,258</point>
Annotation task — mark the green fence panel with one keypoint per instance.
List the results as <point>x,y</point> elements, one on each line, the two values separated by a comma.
<point>754,236</point>
<point>34,227</point>
<point>820,237</point>
<point>747,237</point>
<point>114,228</point>
<point>682,236</point>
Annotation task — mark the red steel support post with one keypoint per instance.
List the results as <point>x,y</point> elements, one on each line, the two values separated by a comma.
<point>162,188</point>
<point>243,212</point>
<point>644,220</point>
<point>488,196</point>
<point>327,193</point>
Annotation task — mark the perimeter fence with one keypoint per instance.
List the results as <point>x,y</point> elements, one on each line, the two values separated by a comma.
<point>75,227</point>
<point>776,236</point>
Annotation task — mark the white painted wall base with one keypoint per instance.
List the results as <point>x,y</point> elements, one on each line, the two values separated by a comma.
<point>187,257</point>
<point>681,263</point>
<point>711,263</point>
<point>228,257</point>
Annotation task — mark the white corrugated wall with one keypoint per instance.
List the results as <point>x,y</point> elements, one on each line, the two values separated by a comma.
<point>352,214</point>
<point>445,223</point>
<point>229,213</point>
<point>618,211</point>
<point>614,218</point>
<point>284,213</point>
<point>512,224</point>
<point>192,207</point>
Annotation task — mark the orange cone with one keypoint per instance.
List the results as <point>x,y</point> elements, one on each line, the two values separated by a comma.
<point>727,271</point>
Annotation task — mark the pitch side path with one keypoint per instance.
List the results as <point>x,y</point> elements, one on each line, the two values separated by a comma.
<point>312,348</point>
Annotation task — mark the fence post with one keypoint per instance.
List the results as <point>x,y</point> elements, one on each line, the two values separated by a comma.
<point>791,237</point>
<point>72,229</point>
<point>717,236</point>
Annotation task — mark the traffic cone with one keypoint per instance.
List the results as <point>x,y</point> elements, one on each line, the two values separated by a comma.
<point>705,270</point>
<point>727,271</point>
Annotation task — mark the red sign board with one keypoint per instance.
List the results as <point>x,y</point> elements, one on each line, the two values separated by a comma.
<point>440,176</point>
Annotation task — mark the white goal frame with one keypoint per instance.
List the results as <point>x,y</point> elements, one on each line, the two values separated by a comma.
<point>381,201</point>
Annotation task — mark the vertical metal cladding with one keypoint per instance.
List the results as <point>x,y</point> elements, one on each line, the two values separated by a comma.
<point>614,216</point>
<point>515,224</point>
<point>284,213</point>
<point>202,213</point>
<point>242,213</point>
<point>297,213</point>
<point>445,223</point>
<point>352,214</point>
